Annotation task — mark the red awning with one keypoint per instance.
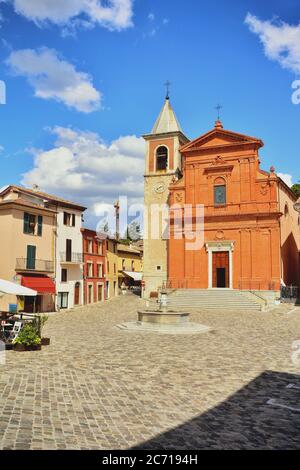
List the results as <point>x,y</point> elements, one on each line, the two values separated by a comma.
<point>42,284</point>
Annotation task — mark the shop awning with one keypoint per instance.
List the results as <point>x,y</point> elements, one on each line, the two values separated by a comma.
<point>7,287</point>
<point>42,284</point>
<point>136,276</point>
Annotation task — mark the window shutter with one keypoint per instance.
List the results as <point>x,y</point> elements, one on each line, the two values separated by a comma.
<point>31,254</point>
<point>26,222</point>
<point>40,225</point>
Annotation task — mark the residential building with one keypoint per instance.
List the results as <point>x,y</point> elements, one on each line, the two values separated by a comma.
<point>111,285</point>
<point>94,259</point>
<point>27,249</point>
<point>69,257</point>
<point>129,264</point>
<point>251,230</point>
<point>64,237</point>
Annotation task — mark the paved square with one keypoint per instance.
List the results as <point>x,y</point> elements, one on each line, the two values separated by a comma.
<point>97,387</point>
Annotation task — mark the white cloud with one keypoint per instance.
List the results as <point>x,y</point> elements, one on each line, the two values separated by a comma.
<point>111,14</point>
<point>151,17</point>
<point>281,41</point>
<point>288,179</point>
<point>54,78</point>
<point>82,167</point>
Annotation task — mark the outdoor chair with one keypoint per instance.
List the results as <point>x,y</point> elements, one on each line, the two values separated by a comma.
<point>15,331</point>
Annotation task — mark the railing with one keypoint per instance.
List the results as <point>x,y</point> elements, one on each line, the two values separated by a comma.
<point>29,264</point>
<point>75,258</point>
<point>175,284</point>
<point>253,285</point>
<point>289,292</point>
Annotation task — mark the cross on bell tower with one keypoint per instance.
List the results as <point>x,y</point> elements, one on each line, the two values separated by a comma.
<point>167,85</point>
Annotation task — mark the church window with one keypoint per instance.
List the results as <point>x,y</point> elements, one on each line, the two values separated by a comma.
<point>219,192</point>
<point>162,158</point>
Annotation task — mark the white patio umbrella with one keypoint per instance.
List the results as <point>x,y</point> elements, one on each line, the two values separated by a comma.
<point>12,288</point>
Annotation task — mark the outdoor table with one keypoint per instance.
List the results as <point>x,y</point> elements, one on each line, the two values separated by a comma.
<point>5,330</point>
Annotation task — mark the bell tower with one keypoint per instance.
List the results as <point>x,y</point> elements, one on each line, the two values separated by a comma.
<point>163,162</point>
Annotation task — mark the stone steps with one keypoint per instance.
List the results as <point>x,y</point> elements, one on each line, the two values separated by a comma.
<point>212,299</point>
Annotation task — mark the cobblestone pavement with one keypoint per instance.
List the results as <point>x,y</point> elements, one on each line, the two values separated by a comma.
<point>97,387</point>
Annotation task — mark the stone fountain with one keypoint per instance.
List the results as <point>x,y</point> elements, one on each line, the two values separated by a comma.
<point>163,320</point>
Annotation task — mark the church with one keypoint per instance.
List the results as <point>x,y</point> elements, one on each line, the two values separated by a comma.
<point>251,229</point>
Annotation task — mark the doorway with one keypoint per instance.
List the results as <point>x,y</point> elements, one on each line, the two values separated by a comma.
<point>90,293</point>
<point>100,292</point>
<point>77,293</point>
<point>220,269</point>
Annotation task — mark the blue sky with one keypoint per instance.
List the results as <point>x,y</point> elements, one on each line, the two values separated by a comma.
<point>117,61</point>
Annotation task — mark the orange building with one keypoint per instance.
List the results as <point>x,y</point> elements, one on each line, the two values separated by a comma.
<point>251,231</point>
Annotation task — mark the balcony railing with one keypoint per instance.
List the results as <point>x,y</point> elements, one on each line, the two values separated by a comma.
<point>29,264</point>
<point>75,258</point>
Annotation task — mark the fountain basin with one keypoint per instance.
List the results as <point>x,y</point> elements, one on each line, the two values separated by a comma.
<point>164,321</point>
<point>162,317</point>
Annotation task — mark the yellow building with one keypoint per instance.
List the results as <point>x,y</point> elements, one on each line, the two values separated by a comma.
<point>27,248</point>
<point>130,264</point>
<point>111,286</point>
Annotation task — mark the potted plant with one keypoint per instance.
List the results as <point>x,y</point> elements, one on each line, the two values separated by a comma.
<point>44,340</point>
<point>28,339</point>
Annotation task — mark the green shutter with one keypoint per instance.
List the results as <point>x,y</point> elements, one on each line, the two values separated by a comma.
<point>40,225</point>
<point>31,254</point>
<point>26,222</point>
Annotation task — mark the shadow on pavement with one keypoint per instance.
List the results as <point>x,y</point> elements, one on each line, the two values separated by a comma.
<point>244,420</point>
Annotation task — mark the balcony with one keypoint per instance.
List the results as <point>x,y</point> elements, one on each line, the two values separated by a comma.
<point>71,258</point>
<point>36,265</point>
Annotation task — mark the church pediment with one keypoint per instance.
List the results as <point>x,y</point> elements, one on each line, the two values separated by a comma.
<point>220,138</point>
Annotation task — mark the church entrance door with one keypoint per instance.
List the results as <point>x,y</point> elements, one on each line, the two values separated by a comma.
<point>220,267</point>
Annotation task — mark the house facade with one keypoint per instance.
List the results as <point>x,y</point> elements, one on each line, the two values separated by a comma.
<point>250,235</point>
<point>27,249</point>
<point>129,265</point>
<point>48,246</point>
<point>94,271</point>
<point>69,256</point>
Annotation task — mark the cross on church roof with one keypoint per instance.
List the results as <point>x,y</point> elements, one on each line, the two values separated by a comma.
<point>167,85</point>
<point>218,108</point>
